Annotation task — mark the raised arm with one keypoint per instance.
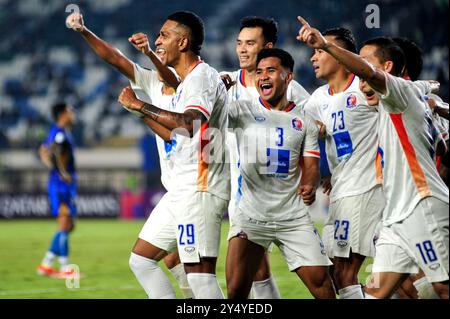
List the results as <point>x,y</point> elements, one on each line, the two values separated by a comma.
<point>353,62</point>
<point>141,43</point>
<point>170,120</point>
<point>104,50</point>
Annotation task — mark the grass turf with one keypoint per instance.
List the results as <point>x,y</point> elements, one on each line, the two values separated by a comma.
<point>101,249</point>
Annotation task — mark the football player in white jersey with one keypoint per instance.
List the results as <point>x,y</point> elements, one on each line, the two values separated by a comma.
<point>200,196</point>
<point>415,221</point>
<point>148,87</point>
<point>255,33</point>
<point>417,285</point>
<point>356,198</point>
<point>273,138</point>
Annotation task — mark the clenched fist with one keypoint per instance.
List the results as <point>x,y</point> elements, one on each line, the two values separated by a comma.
<point>129,100</point>
<point>140,42</point>
<point>75,22</point>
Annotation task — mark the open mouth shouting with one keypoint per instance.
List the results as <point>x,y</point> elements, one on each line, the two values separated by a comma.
<point>266,89</point>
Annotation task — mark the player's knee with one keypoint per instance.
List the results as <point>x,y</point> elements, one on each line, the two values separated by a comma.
<point>172,260</point>
<point>138,263</point>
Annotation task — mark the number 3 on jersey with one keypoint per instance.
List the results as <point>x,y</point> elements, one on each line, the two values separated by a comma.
<point>280,140</point>
<point>186,234</point>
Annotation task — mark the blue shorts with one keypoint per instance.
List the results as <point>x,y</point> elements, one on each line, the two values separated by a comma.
<point>62,198</point>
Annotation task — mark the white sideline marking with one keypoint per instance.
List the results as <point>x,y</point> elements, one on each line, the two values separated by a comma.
<point>50,290</point>
<point>124,287</point>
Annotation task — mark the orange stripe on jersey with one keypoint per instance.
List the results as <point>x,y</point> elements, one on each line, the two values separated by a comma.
<point>408,149</point>
<point>202,178</point>
<point>313,153</point>
<point>242,78</point>
<point>290,107</point>
<point>379,168</point>
<point>264,103</point>
<point>350,81</point>
<point>197,107</point>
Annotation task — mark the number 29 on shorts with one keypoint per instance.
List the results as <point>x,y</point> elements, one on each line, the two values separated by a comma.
<point>186,234</point>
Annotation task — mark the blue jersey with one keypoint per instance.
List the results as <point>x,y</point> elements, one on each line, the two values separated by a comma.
<point>60,136</point>
<point>62,194</point>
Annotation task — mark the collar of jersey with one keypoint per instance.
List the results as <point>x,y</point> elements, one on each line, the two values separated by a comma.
<point>242,78</point>
<point>350,81</point>
<point>265,105</point>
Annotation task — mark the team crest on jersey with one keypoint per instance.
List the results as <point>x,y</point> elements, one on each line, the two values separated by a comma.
<point>260,119</point>
<point>352,101</point>
<point>297,124</point>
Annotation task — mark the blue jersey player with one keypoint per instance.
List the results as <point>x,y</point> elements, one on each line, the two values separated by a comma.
<point>57,153</point>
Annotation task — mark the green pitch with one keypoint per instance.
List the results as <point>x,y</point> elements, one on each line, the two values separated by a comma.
<point>101,249</point>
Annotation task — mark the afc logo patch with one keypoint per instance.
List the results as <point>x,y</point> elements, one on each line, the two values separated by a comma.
<point>297,124</point>
<point>351,102</point>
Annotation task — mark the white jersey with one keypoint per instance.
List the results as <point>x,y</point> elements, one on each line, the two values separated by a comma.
<point>441,124</point>
<point>241,92</point>
<point>351,139</point>
<point>149,88</point>
<point>407,145</point>
<point>271,144</point>
<point>199,162</point>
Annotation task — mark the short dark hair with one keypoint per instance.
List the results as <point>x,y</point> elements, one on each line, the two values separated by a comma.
<point>268,25</point>
<point>413,57</point>
<point>388,50</point>
<point>286,59</point>
<point>195,25</point>
<point>58,109</point>
<point>343,36</point>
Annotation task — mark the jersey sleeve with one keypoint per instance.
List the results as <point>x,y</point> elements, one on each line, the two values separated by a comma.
<point>311,141</point>
<point>198,96</point>
<point>233,114</point>
<point>297,94</point>
<point>145,83</point>
<point>311,109</point>
<point>399,91</point>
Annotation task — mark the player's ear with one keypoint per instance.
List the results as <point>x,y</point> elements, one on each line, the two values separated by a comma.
<point>388,66</point>
<point>269,45</point>
<point>184,44</point>
<point>289,77</point>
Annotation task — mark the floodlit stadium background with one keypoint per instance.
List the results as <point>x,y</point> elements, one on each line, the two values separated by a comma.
<point>41,62</point>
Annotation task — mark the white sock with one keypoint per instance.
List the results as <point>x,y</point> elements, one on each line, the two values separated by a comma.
<point>180,275</point>
<point>151,277</point>
<point>48,259</point>
<point>351,292</point>
<point>265,289</point>
<point>424,289</point>
<point>367,296</point>
<point>63,262</point>
<point>204,286</point>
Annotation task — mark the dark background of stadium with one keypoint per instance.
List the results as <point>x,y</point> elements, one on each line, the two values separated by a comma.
<point>43,62</point>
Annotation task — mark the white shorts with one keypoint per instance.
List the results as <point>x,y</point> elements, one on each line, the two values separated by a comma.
<point>354,220</point>
<point>191,224</point>
<point>297,239</point>
<point>420,240</point>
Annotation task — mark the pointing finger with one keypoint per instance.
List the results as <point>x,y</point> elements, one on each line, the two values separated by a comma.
<point>303,21</point>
